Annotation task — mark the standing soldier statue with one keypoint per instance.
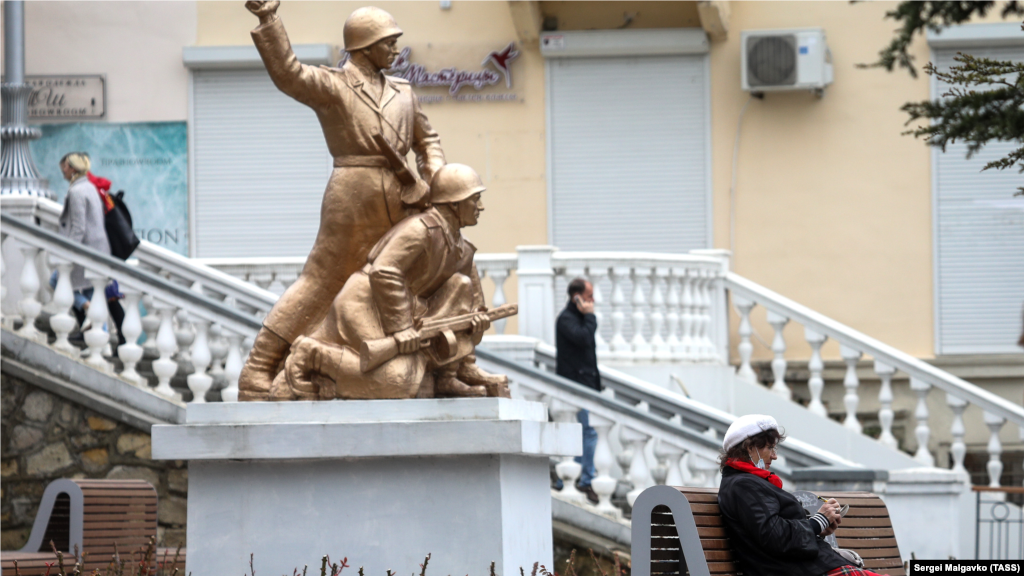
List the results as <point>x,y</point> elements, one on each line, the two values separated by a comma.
<point>370,122</point>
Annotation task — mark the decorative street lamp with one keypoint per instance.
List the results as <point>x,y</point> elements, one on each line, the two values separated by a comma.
<point>18,173</point>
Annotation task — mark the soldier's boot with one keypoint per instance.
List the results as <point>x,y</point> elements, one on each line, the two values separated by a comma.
<point>448,385</point>
<point>495,384</point>
<point>258,374</point>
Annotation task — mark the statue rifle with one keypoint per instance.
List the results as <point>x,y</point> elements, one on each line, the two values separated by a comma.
<point>439,334</point>
<point>396,161</point>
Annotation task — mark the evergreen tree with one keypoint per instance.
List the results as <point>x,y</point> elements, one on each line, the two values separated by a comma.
<point>985,101</point>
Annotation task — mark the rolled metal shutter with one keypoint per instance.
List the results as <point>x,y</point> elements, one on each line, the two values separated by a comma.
<point>628,153</point>
<point>979,241</point>
<point>261,166</point>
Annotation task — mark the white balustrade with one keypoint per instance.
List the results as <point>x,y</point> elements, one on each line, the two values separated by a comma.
<point>184,335</point>
<point>568,469</point>
<point>62,322</point>
<point>850,382</point>
<point>130,352</point>
<point>29,306</point>
<point>165,367</point>
<point>641,348</point>
<point>922,431</point>
<point>745,347</point>
<point>150,324</point>
<point>595,275</point>
<point>659,347</point>
<point>815,383</point>
<point>778,323</point>
<point>96,337</point>
<point>994,449</point>
<point>702,316</point>
<point>218,352</point>
<point>618,348</point>
<point>672,342</point>
<point>232,367</point>
<point>603,483</point>
<point>687,344</point>
<point>639,474</point>
<point>957,448</point>
<point>885,398</point>
<point>673,456</point>
<point>199,382</point>
<point>498,277</point>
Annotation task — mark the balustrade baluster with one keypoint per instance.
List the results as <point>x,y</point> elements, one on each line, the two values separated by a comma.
<point>672,314</point>
<point>618,347</point>
<point>957,430</point>
<point>218,352</point>
<point>745,348</point>
<point>183,335</point>
<point>673,455</point>
<point>641,348</point>
<point>994,449</point>
<point>568,469</point>
<point>165,367</point>
<point>885,413</point>
<point>97,338</point>
<point>130,352</point>
<point>922,432</point>
<point>594,275</point>
<point>850,382</point>
<point>44,270</point>
<point>603,483</point>
<point>815,383</point>
<point>686,315</point>
<point>778,323</point>
<point>29,306</point>
<point>232,367</point>
<point>498,276</point>
<point>150,324</point>
<point>639,475</point>
<point>658,346</point>
<point>199,382</point>
<point>702,316</point>
<point>62,322</point>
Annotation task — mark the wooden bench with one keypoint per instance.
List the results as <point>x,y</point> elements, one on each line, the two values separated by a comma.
<point>95,516</point>
<point>678,530</point>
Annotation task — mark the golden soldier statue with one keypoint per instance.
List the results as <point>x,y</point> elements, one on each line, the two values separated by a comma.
<point>362,113</point>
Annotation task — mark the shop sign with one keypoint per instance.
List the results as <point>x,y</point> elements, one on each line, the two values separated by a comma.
<point>67,96</point>
<point>496,67</point>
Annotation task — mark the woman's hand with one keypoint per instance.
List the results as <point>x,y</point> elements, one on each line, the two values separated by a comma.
<point>830,510</point>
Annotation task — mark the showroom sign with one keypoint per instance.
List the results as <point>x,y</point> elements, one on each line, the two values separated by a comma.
<point>67,96</point>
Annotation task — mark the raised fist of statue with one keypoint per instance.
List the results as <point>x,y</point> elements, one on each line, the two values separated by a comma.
<point>265,9</point>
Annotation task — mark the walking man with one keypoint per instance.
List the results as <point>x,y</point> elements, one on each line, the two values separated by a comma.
<point>364,196</point>
<point>576,359</point>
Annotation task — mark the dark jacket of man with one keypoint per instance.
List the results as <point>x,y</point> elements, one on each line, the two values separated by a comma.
<point>770,531</point>
<point>576,358</point>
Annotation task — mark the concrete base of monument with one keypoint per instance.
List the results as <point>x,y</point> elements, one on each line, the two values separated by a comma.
<point>381,482</point>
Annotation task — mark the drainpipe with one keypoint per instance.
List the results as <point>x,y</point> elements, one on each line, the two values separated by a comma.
<point>18,173</point>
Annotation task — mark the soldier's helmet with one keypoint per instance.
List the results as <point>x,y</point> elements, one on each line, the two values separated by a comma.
<point>454,183</point>
<point>367,26</point>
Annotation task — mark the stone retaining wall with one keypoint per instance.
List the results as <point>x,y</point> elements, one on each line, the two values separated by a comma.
<point>45,437</point>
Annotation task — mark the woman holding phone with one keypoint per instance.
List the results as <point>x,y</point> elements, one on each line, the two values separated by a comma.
<point>770,530</point>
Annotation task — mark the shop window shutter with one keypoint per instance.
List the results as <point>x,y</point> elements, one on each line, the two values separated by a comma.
<point>628,150</point>
<point>261,166</point>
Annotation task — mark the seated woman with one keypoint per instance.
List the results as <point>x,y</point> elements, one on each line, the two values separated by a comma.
<point>770,531</point>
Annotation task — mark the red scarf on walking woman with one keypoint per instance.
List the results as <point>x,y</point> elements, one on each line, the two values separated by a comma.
<point>748,467</point>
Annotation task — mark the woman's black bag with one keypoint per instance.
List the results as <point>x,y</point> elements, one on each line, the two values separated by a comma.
<point>118,222</point>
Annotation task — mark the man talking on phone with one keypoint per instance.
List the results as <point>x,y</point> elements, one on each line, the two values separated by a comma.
<point>576,359</point>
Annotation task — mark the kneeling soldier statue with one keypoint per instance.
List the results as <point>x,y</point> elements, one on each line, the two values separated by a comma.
<point>406,324</point>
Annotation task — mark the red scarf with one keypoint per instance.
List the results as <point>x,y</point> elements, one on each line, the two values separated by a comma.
<point>102,186</point>
<point>748,467</point>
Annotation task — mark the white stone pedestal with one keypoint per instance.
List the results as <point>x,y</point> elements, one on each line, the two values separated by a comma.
<point>380,482</point>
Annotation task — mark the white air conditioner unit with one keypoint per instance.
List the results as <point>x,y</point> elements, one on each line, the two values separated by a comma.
<point>786,59</point>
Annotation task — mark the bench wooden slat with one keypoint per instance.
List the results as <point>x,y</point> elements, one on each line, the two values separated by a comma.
<point>866,542</point>
<point>660,530</point>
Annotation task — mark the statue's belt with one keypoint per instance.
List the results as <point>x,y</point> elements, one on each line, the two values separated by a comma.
<point>361,162</point>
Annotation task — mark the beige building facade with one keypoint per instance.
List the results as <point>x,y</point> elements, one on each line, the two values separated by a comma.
<point>832,206</point>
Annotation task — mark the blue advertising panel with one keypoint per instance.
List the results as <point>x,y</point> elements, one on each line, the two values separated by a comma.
<point>148,160</point>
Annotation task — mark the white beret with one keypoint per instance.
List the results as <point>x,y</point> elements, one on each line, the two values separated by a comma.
<point>746,426</point>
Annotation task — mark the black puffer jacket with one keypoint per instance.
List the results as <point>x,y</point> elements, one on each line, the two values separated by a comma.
<point>769,529</point>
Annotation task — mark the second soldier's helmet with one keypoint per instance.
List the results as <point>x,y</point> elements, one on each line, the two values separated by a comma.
<point>367,26</point>
<point>454,183</point>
